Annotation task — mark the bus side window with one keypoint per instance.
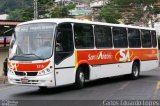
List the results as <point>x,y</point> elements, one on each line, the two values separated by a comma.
<point>154,39</point>
<point>146,38</point>
<point>83,36</point>
<point>103,36</point>
<point>64,42</point>
<point>120,37</point>
<point>134,38</point>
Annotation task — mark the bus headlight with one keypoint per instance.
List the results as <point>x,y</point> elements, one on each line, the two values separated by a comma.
<point>11,72</point>
<point>44,72</point>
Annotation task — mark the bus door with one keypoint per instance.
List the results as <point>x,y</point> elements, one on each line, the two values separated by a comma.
<point>64,55</point>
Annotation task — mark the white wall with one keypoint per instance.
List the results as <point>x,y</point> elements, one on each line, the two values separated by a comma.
<point>98,3</point>
<point>157,27</point>
<point>3,16</point>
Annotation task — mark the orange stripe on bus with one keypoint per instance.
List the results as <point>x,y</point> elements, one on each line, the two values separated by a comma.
<point>30,67</point>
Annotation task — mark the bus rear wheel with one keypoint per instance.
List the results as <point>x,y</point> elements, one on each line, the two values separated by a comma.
<point>135,71</point>
<point>80,78</point>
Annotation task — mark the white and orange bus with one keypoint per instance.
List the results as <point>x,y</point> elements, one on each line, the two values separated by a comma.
<point>55,52</point>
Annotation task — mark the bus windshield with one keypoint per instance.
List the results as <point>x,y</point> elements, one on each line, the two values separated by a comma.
<point>32,41</point>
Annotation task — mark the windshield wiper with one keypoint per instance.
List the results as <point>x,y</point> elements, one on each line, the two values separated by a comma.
<point>25,55</point>
<point>34,55</point>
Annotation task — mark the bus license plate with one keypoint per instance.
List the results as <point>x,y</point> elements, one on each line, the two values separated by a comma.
<point>24,80</point>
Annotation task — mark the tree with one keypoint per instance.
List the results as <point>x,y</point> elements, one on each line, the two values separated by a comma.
<point>61,11</point>
<point>133,11</point>
<point>24,14</point>
<point>10,5</point>
<point>25,11</point>
<point>109,14</point>
<point>44,7</point>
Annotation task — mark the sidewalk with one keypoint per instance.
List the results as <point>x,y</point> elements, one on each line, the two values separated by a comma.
<point>1,78</point>
<point>2,85</point>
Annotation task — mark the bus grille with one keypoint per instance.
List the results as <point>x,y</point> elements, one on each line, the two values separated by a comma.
<point>26,73</point>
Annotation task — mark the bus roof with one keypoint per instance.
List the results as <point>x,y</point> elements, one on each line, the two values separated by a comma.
<point>63,20</point>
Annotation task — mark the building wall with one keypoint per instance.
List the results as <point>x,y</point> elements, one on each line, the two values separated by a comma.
<point>98,3</point>
<point>3,55</point>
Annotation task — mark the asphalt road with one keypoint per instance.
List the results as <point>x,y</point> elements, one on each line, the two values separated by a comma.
<point>147,87</point>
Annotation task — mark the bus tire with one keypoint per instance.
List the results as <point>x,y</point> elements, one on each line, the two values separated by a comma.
<point>80,78</point>
<point>135,71</point>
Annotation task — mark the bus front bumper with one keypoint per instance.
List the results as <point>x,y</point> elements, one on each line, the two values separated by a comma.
<point>44,80</point>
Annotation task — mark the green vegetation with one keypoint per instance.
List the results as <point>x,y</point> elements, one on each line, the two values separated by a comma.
<point>61,11</point>
<point>127,11</point>
<point>26,13</point>
<point>130,11</point>
<point>9,5</point>
<point>23,9</point>
<point>110,14</point>
<point>21,14</point>
<point>17,9</point>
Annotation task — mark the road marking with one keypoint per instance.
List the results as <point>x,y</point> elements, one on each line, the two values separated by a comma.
<point>124,85</point>
<point>156,90</point>
<point>158,85</point>
<point>8,87</point>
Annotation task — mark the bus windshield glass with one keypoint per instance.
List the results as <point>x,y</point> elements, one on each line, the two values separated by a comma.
<point>32,41</point>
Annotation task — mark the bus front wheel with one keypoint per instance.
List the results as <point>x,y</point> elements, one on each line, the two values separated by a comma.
<point>80,78</point>
<point>135,71</point>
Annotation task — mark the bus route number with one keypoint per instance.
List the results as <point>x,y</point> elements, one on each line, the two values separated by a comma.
<point>40,66</point>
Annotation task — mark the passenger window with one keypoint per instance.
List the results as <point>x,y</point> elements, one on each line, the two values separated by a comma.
<point>154,39</point>
<point>103,36</point>
<point>120,37</point>
<point>83,36</point>
<point>134,38</point>
<point>146,38</point>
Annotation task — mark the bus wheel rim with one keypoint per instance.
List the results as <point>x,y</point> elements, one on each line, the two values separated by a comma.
<point>135,71</point>
<point>81,76</point>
